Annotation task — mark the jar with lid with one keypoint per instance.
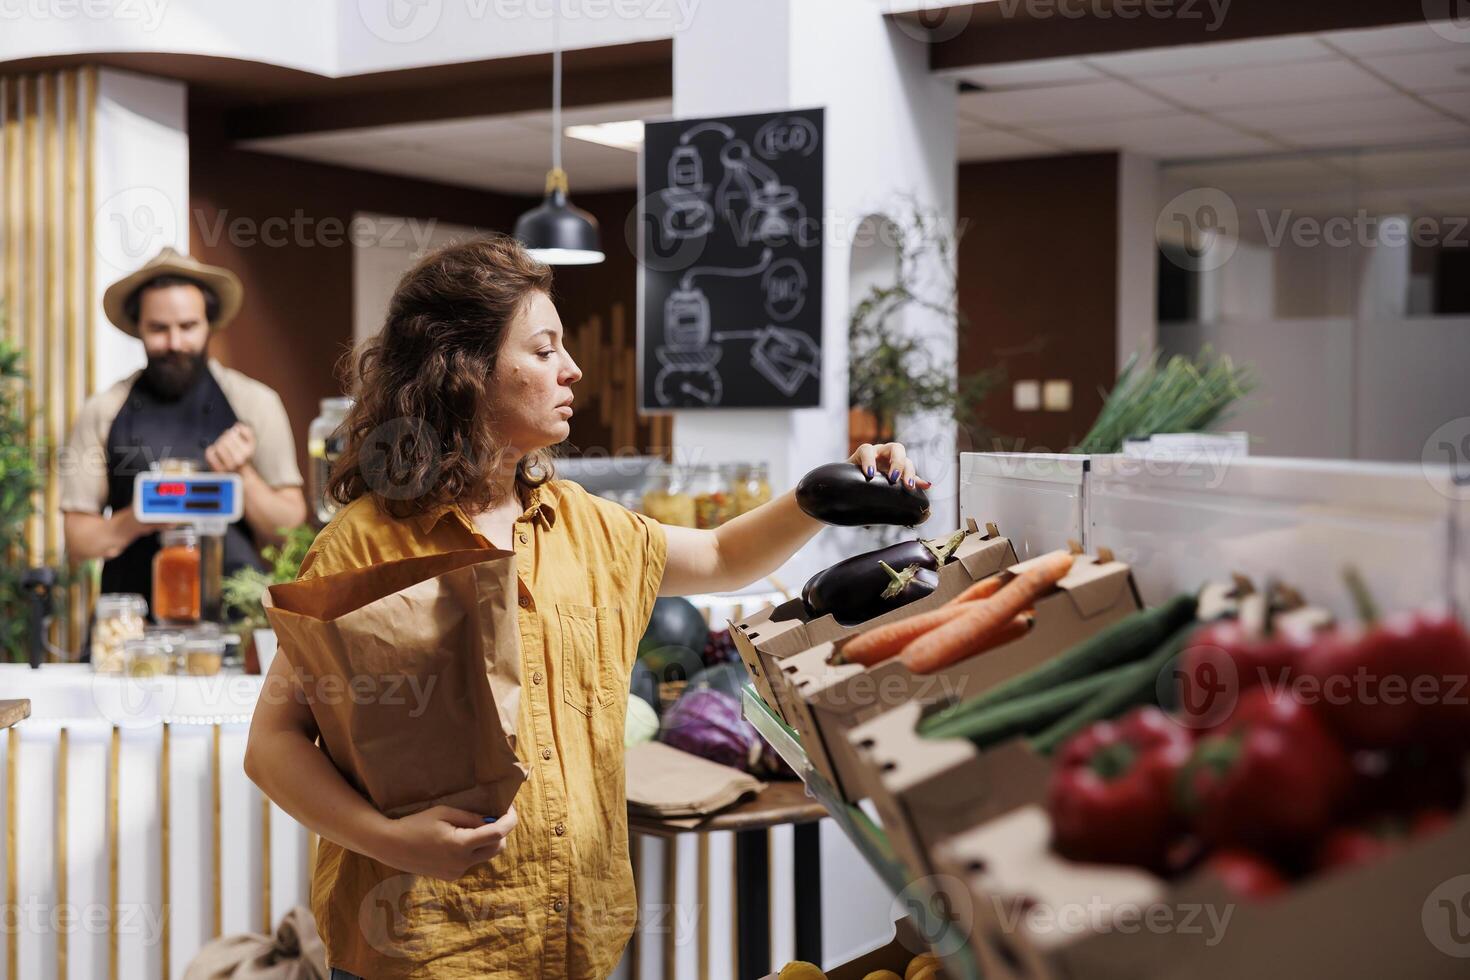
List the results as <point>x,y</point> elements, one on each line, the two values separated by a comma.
<point>752,487</point>
<point>714,504</point>
<point>146,656</point>
<point>204,653</point>
<point>176,577</point>
<point>667,500</point>
<point>120,616</point>
<point>323,446</point>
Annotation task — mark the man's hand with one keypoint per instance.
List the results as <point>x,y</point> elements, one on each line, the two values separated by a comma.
<point>233,450</point>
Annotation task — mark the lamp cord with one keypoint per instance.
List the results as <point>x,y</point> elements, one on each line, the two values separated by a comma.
<point>555,86</point>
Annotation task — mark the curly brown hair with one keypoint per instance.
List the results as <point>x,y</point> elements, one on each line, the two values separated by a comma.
<point>420,434</point>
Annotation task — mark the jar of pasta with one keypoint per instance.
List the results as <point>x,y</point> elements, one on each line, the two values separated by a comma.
<point>146,657</point>
<point>668,501</point>
<point>714,503</point>
<point>176,577</point>
<point>120,616</point>
<point>204,653</point>
<point>752,487</point>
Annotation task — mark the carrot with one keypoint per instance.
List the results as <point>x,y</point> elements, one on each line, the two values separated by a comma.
<point>1015,628</point>
<point>983,589</point>
<point>882,642</point>
<point>971,632</point>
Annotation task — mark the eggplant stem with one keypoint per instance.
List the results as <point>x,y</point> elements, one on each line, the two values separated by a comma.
<point>944,551</point>
<point>899,580</point>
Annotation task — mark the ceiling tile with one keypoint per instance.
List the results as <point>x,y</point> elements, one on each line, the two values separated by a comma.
<point>1297,116</point>
<point>1169,137</point>
<point>1023,74</point>
<point>1426,71</point>
<point>1224,55</point>
<point>1456,103</point>
<point>1418,36</point>
<point>994,144</point>
<point>1273,84</point>
<point>1059,103</point>
<point>1380,133</point>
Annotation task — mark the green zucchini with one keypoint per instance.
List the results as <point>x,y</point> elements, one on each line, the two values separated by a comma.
<point>1137,683</point>
<point>1024,715</point>
<point>1129,639</point>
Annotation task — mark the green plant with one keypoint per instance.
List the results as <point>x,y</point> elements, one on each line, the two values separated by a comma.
<point>241,591</point>
<point>1178,395</point>
<point>891,371</point>
<point>19,480</point>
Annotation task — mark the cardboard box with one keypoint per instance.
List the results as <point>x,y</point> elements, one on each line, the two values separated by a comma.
<point>830,700</point>
<point>1035,916</point>
<point>771,636</point>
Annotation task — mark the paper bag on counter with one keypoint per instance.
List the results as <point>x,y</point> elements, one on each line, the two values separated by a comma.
<point>670,782</point>
<point>412,670</point>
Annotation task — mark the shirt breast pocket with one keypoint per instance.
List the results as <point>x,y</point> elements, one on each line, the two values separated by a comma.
<point>591,657</point>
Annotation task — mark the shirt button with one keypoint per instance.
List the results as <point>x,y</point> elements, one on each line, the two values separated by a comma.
<point>546,753</point>
<point>558,905</point>
<point>536,677</point>
<point>523,539</point>
<point>525,602</point>
<point>561,829</point>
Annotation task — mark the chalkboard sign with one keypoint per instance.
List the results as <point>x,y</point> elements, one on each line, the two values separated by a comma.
<point>730,245</point>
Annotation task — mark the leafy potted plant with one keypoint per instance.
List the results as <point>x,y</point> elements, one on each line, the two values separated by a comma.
<point>890,371</point>
<point>19,481</point>
<point>241,592</point>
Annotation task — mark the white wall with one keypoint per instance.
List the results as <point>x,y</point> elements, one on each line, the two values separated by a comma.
<point>378,264</point>
<point>1138,267</point>
<point>142,180</point>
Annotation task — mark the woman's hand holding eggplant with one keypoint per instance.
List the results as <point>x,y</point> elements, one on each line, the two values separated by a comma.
<point>443,842</point>
<point>890,461</point>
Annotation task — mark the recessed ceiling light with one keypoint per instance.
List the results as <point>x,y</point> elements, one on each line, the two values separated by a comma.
<point>625,135</point>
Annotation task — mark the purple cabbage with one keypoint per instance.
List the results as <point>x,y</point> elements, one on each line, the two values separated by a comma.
<point>707,722</point>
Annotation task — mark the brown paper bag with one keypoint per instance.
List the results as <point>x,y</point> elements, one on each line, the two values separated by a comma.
<point>412,670</point>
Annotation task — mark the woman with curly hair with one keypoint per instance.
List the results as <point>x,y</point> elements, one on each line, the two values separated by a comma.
<point>459,400</point>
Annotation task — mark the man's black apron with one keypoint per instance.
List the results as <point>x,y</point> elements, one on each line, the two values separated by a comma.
<point>147,430</point>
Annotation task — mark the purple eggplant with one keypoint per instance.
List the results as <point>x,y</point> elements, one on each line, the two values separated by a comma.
<point>856,589</point>
<point>842,494</point>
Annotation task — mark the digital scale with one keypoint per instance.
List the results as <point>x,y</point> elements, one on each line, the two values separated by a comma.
<point>209,502</point>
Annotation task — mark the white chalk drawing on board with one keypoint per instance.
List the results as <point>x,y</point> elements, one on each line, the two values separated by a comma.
<point>687,212</point>
<point>786,135</point>
<point>784,285</point>
<point>753,200</point>
<point>783,356</point>
<point>687,356</point>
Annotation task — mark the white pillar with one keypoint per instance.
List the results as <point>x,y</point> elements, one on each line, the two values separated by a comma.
<point>889,139</point>
<point>142,194</point>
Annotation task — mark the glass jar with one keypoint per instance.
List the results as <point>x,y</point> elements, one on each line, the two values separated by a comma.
<point>176,577</point>
<point>714,503</point>
<point>120,616</point>
<point>145,656</point>
<point>752,487</point>
<point>323,446</point>
<point>204,654</point>
<point>668,500</point>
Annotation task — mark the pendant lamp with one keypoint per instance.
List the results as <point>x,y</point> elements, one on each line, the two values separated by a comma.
<point>556,232</point>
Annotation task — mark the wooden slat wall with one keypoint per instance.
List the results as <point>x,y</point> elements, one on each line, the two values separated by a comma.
<point>46,278</point>
<point>608,357</point>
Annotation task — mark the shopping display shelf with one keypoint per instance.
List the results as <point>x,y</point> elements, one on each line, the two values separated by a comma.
<point>868,838</point>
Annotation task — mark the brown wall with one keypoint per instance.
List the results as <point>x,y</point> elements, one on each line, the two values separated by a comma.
<point>297,318</point>
<point>1037,270</point>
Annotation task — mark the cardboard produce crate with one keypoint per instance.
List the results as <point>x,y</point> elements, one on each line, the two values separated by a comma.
<point>829,700</point>
<point>1032,915</point>
<point>768,638</point>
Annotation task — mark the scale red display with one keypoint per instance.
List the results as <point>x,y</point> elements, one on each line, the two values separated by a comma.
<point>172,489</point>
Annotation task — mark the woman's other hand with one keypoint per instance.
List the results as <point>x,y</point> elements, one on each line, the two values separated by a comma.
<point>444,842</point>
<point>890,461</point>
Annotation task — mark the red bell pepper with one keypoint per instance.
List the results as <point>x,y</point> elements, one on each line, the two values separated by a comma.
<point>1227,658</point>
<point>1246,873</point>
<point>1360,844</point>
<point>1110,796</point>
<point>1271,776</point>
<point>1402,780</point>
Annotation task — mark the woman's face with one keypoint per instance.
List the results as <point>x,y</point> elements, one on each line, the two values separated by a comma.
<point>533,378</point>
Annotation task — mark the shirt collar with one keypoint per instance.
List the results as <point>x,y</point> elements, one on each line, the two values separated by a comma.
<point>542,507</point>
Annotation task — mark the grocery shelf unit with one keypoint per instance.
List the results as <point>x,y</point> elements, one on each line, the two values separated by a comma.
<point>867,837</point>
